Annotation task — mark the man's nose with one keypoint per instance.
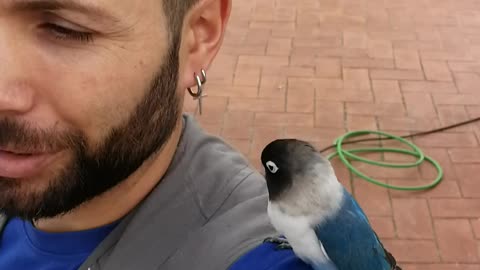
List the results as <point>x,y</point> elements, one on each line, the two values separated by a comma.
<point>15,98</point>
<point>16,91</point>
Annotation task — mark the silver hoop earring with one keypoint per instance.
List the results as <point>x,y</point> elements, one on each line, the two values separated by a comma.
<point>199,94</point>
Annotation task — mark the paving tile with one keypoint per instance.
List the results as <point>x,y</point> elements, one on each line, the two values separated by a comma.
<point>413,251</point>
<point>419,105</point>
<point>328,68</point>
<point>468,180</point>
<point>324,135</point>
<point>367,108</point>
<point>428,87</point>
<point>221,90</point>
<point>361,122</point>
<point>417,45</point>
<point>328,83</point>
<point>307,72</point>
<point>455,208</point>
<point>300,100</point>
<point>262,61</point>
<point>445,55</point>
<point>387,91</point>
<point>256,104</point>
<point>412,218</point>
<point>407,123</point>
<point>362,62</point>
<point>383,226</point>
<point>247,76</point>
<point>461,66</point>
<point>279,46</point>
<point>373,199</point>
<point>238,125</point>
<point>407,59</point>
<point>343,95</point>
<point>380,49</point>
<point>356,79</point>
<point>448,139</point>
<point>455,240</point>
<point>473,111</point>
<point>272,86</point>
<point>456,99</point>
<point>396,74</point>
<point>329,114</point>
<point>354,39</point>
<point>284,119</point>
<point>437,71</point>
<point>446,189</point>
<point>445,266</point>
<point>452,114</point>
<point>320,42</point>
<point>241,145</point>
<point>324,83</point>
<point>462,155</point>
<point>467,82</point>
<point>476,227</point>
<point>392,35</point>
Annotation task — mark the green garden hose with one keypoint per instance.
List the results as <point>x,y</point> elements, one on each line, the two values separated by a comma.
<point>344,155</point>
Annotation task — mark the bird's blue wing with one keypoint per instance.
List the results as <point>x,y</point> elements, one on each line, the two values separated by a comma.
<point>379,248</point>
<point>350,241</point>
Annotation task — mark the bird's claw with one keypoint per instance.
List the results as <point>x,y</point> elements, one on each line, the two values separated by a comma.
<point>275,240</point>
<point>283,246</point>
<point>282,243</point>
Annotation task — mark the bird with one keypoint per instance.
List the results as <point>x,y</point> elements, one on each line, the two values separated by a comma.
<point>314,213</point>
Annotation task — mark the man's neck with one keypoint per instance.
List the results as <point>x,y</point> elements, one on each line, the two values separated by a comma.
<point>119,201</point>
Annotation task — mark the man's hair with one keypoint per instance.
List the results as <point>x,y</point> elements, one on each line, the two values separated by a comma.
<point>175,11</point>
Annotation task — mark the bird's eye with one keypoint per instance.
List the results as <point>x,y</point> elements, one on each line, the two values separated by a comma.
<point>272,167</point>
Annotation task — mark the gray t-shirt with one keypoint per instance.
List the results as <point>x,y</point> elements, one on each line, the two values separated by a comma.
<point>208,210</point>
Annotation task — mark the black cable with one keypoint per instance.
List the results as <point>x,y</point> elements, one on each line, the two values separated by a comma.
<point>422,133</point>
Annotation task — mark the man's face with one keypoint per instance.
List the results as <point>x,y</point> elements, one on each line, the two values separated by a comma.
<point>86,96</point>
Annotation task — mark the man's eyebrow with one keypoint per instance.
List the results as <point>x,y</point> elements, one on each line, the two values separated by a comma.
<point>73,5</point>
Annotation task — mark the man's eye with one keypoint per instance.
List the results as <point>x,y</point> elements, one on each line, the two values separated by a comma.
<point>63,33</point>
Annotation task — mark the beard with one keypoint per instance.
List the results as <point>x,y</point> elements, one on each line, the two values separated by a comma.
<point>90,174</point>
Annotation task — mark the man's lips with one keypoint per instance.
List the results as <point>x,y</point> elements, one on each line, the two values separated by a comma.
<point>17,151</point>
<point>19,164</point>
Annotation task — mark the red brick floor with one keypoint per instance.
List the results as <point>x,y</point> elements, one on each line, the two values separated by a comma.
<point>314,69</point>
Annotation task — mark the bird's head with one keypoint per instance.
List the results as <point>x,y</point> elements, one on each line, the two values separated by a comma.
<point>283,160</point>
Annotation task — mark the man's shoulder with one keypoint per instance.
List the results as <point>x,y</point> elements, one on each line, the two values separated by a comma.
<point>216,172</point>
<point>230,195</point>
<point>267,257</point>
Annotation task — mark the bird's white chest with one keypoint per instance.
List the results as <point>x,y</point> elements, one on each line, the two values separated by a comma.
<point>299,234</point>
<point>287,224</point>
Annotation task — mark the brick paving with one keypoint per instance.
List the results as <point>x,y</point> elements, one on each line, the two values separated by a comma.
<point>314,69</point>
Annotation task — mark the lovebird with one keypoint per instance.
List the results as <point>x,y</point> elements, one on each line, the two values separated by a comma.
<point>317,216</point>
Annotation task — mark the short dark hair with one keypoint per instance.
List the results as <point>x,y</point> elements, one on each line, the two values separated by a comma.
<point>175,11</point>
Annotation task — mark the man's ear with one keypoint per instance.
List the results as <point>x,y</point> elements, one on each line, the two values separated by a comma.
<point>204,30</point>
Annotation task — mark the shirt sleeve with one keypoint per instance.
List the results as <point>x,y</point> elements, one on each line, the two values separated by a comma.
<point>266,257</point>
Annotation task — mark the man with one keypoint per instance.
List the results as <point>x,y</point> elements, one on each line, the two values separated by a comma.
<point>99,169</point>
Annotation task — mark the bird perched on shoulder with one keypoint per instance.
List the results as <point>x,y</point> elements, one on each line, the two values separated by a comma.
<point>315,213</point>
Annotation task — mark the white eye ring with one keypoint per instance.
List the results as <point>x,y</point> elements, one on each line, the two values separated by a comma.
<point>272,167</point>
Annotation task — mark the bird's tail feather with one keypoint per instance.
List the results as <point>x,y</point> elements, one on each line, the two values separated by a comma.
<point>389,256</point>
<point>392,260</point>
